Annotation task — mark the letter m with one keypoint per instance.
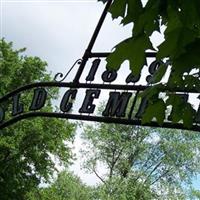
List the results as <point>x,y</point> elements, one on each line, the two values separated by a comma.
<point>117,104</point>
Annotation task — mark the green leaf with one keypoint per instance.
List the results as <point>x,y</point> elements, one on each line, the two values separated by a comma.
<point>190,59</point>
<point>151,92</point>
<point>147,21</point>
<point>188,113</point>
<point>134,10</point>
<point>118,8</point>
<point>192,82</point>
<point>175,43</point>
<point>155,109</point>
<point>177,36</point>
<point>157,77</point>
<point>136,53</point>
<point>118,56</point>
<point>190,12</point>
<point>177,104</point>
<point>181,110</point>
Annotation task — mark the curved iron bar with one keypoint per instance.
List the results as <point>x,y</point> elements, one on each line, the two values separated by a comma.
<point>94,85</point>
<point>94,118</point>
<point>60,75</point>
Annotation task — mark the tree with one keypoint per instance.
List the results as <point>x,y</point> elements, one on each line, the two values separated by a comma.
<point>123,189</point>
<point>149,163</point>
<point>181,46</point>
<point>67,186</point>
<point>26,148</point>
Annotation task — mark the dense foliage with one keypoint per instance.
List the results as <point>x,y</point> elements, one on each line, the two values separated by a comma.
<point>180,21</point>
<point>27,148</point>
<point>67,186</point>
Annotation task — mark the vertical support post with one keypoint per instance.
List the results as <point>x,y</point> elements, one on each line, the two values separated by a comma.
<point>91,43</point>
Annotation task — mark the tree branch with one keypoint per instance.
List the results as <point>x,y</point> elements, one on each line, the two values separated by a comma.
<point>102,180</point>
<point>154,169</point>
<point>115,161</point>
<point>160,176</point>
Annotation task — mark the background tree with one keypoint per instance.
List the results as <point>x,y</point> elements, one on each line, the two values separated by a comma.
<point>160,160</point>
<point>117,188</point>
<point>180,21</point>
<point>26,148</point>
<point>67,186</point>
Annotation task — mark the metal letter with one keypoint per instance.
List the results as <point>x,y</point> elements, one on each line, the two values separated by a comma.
<point>109,76</point>
<point>154,66</point>
<point>17,107</point>
<point>197,118</point>
<point>93,70</point>
<point>132,79</point>
<point>142,108</point>
<point>117,104</point>
<point>66,103</point>
<point>39,98</point>
<point>87,106</point>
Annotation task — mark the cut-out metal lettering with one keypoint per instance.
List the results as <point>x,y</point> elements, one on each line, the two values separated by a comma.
<point>66,102</point>
<point>132,78</point>
<point>17,108</point>
<point>117,104</point>
<point>154,66</point>
<point>39,99</point>
<point>88,106</point>
<point>197,118</point>
<point>109,76</point>
<point>93,70</point>
<point>142,107</point>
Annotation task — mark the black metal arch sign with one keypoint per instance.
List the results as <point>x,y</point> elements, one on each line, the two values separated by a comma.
<point>92,84</point>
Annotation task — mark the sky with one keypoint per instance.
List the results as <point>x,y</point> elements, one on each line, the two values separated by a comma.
<point>59,32</point>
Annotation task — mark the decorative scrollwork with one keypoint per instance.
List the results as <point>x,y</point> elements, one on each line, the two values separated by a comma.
<point>61,75</point>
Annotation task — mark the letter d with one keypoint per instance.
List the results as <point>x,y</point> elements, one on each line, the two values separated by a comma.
<point>39,99</point>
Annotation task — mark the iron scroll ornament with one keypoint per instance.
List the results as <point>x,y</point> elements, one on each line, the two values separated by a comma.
<point>63,77</point>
